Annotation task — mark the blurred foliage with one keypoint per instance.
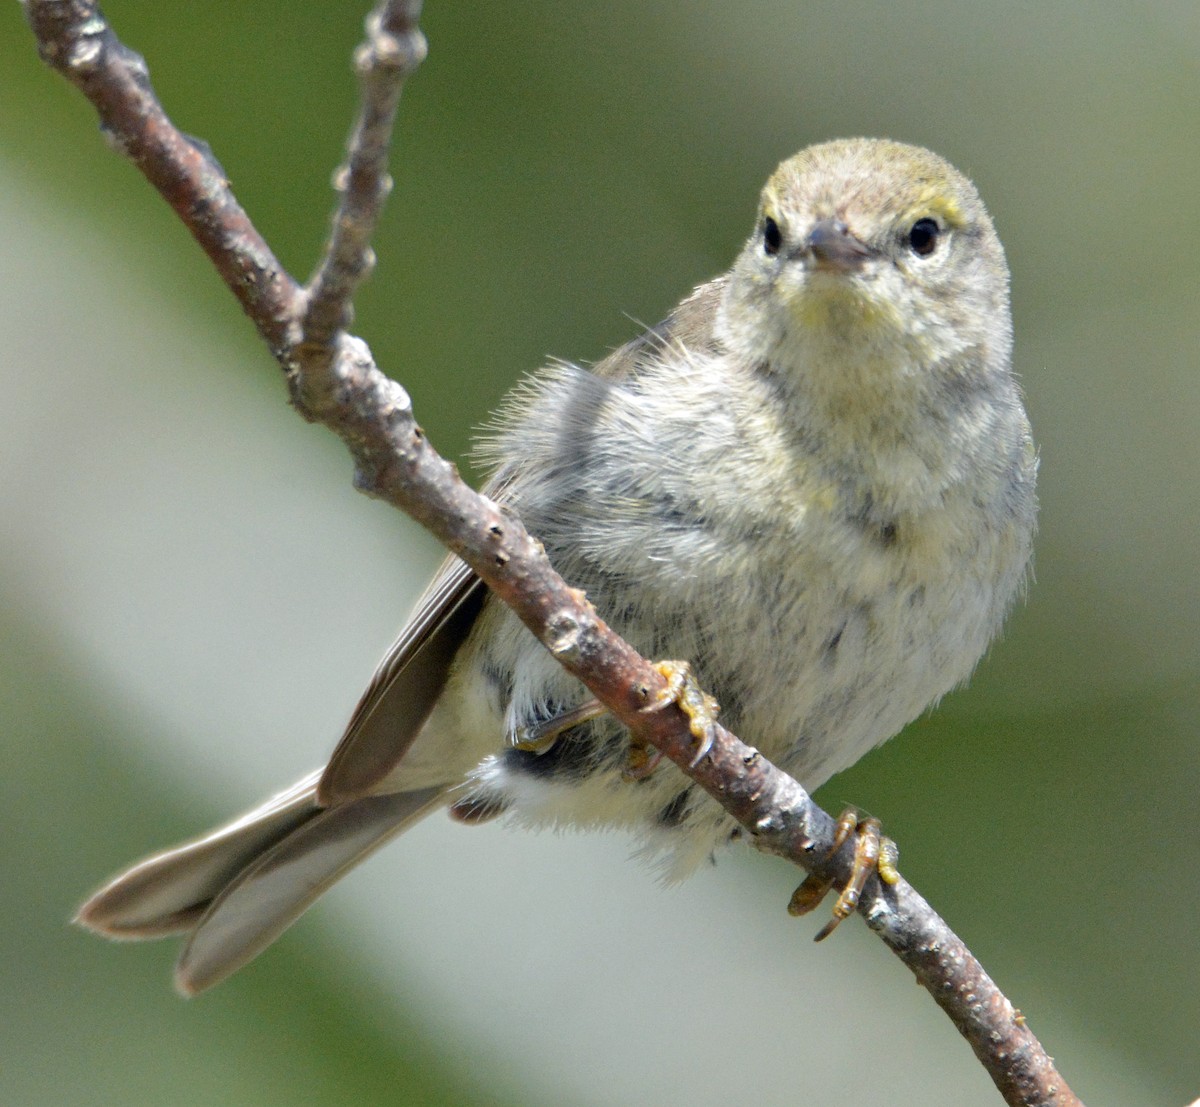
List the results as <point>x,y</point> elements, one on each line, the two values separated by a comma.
<point>562,166</point>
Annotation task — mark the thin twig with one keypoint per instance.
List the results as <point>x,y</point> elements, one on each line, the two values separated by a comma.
<point>334,380</point>
<point>393,49</point>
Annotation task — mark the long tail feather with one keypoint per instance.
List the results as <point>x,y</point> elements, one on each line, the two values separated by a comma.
<point>267,896</point>
<point>169,891</point>
<point>234,890</point>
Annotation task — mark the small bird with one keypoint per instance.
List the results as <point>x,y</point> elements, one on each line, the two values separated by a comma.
<point>814,481</point>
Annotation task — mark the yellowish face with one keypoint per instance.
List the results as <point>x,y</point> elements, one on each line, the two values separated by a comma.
<point>873,245</point>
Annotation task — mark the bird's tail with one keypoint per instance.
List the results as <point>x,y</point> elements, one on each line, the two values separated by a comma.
<point>233,891</point>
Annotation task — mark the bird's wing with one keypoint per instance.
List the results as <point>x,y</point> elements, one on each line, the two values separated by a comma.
<point>405,687</point>
<point>413,674</point>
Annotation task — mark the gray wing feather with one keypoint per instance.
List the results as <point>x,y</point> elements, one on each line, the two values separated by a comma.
<point>405,687</point>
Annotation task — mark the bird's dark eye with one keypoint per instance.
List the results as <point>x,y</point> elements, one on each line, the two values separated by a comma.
<point>923,238</point>
<point>772,237</point>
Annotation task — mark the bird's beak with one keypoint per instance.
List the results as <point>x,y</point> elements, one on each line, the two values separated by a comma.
<point>834,248</point>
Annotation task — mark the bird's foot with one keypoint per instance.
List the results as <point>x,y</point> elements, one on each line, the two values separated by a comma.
<point>699,707</point>
<point>539,737</point>
<point>873,853</point>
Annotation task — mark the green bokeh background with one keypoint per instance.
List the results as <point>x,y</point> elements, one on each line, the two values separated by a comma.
<point>191,594</point>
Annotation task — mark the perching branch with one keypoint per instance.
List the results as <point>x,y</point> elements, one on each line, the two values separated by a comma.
<point>333,380</point>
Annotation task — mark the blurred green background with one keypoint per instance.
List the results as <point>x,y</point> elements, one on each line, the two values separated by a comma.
<point>191,595</point>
